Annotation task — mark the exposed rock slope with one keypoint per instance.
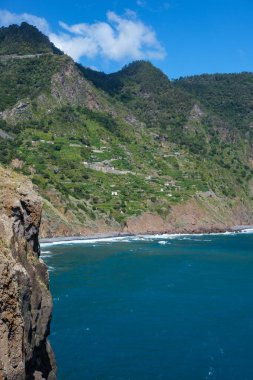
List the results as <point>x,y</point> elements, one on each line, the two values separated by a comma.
<point>25,300</point>
<point>203,214</point>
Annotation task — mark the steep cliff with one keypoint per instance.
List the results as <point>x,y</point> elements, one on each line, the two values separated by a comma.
<point>25,300</point>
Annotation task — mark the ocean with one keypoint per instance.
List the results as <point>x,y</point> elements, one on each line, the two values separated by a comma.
<point>153,307</point>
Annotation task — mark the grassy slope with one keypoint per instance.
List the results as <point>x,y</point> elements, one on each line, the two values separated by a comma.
<point>180,141</point>
<point>192,120</point>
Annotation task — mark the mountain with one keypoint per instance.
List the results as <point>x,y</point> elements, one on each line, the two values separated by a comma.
<point>148,92</point>
<point>230,96</point>
<point>130,151</point>
<point>24,39</point>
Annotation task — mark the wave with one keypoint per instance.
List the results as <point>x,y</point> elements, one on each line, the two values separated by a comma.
<point>123,239</point>
<point>44,256</point>
<point>92,241</point>
<point>247,231</point>
<point>164,242</point>
<point>163,238</point>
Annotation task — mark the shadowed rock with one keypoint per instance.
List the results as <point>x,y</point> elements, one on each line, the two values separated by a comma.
<point>25,300</point>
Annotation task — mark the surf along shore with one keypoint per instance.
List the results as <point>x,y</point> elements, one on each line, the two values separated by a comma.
<point>111,235</point>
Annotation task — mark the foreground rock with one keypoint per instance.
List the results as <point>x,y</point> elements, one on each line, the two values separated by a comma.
<point>25,300</point>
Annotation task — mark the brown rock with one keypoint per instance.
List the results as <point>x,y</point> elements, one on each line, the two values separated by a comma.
<point>25,300</point>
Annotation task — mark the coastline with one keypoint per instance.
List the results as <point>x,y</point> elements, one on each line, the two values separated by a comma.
<point>118,235</point>
<point>97,236</point>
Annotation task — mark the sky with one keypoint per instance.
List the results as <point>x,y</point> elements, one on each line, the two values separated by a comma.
<point>180,37</point>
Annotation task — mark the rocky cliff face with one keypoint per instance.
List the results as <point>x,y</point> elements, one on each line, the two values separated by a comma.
<point>204,213</point>
<point>25,300</point>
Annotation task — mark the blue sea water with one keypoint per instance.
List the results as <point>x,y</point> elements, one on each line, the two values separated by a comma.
<point>170,308</point>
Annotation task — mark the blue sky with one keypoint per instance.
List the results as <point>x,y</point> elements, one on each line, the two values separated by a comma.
<point>179,36</point>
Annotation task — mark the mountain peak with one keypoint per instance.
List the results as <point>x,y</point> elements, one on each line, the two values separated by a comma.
<point>25,39</point>
<point>140,68</point>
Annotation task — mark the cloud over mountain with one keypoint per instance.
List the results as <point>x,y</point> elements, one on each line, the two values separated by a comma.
<point>118,39</point>
<point>7,18</point>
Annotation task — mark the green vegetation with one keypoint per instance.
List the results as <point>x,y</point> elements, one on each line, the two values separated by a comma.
<point>27,78</point>
<point>227,95</point>
<point>148,93</point>
<point>24,39</point>
<point>139,143</point>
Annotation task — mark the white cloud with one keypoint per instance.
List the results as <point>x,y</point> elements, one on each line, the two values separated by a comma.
<point>7,18</point>
<point>75,46</point>
<point>119,39</point>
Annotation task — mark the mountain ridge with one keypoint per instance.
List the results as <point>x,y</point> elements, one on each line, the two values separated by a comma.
<point>25,39</point>
<point>107,149</point>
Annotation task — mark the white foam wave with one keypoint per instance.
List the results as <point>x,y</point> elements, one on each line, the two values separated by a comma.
<point>45,256</point>
<point>247,231</point>
<point>129,239</point>
<point>87,241</point>
<point>164,242</point>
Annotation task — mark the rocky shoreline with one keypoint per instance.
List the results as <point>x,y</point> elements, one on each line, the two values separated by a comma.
<point>192,216</point>
<point>25,299</point>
